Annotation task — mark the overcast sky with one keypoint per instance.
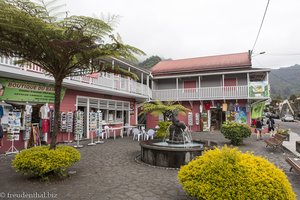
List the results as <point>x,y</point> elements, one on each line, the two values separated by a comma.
<point>194,28</point>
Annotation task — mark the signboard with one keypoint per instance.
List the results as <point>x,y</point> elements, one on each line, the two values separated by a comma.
<point>197,118</point>
<point>257,110</point>
<point>259,89</point>
<point>17,90</point>
<point>190,118</point>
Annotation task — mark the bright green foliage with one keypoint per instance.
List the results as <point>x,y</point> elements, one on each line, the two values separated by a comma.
<point>41,161</point>
<point>230,174</point>
<point>283,131</point>
<point>73,46</point>
<point>165,108</point>
<point>163,130</point>
<point>235,132</point>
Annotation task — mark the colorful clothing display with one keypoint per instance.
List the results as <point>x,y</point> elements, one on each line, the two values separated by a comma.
<point>45,126</point>
<point>44,110</point>
<point>224,107</point>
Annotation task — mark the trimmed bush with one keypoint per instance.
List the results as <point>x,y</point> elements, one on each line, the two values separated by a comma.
<point>162,131</point>
<point>42,162</point>
<point>235,132</point>
<point>228,173</point>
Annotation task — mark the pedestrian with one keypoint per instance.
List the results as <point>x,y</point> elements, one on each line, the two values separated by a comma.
<point>271,123</point>
<point>258,127</point>
<point>1,135</point>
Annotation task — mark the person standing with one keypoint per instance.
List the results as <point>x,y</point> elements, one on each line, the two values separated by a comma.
<point>271,123</point>
<point>258,126</point>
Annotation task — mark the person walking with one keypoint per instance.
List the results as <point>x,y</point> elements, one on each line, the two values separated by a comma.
<point>258,126</point>
<point>271,123</point>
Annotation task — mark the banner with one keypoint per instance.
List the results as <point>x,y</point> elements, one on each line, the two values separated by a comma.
<point>257,110</point>
<point>17,90</point>
<point>259,89</point>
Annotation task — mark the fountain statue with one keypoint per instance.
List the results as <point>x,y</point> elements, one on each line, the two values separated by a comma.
<point>176,149</point>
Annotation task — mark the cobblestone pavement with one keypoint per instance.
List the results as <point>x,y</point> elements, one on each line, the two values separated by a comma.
<point>109,171</point>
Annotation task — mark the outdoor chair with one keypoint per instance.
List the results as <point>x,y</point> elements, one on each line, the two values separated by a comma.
<point>150,134</point>
<point>137,134</point>
<point>143,131</point>
<point>275,142</point>
<point>294,163</point>
<point>107,130</point>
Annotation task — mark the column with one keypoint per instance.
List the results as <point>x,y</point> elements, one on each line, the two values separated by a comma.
<point>223,85</point>
<point>142,82</point>
<point>248,82</point>
<point>148,91</point>
<point>113,74</point>
<point>177,89</point>
<point>129,80</point>
<point>267,77</point>
<point>199,86</point>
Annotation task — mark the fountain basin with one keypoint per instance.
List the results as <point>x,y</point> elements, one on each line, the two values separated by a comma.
<point>163,154</point>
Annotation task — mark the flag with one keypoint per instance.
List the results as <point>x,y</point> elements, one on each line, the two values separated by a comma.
<point>257,110</point>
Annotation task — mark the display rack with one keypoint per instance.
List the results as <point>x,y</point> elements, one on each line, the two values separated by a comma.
<point>78,125</point>
<point>92,127</point>
<point>14,124</point>
<point>99,131</point>
<point>69,128</point>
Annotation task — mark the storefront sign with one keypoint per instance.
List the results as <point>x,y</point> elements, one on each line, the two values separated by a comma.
<point>16,90</point>
<point>259,89</point>
<point>257,110</point>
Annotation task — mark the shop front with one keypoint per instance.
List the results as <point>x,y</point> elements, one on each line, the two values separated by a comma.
<point>27,114</point>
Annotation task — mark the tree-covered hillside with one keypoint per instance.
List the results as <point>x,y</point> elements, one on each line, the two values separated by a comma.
<point>285,81</point>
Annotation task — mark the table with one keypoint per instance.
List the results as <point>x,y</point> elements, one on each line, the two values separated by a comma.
<point>117,128</point>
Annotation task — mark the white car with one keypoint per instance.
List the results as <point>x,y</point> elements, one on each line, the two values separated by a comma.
<point>287,118</point>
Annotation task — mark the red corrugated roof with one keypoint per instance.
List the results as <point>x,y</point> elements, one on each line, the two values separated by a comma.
<point>238,60</point>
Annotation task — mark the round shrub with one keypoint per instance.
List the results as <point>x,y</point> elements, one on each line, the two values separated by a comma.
<point>235,132</point>
<point>41,161</point>
<point>228,173</point>
<point>162,131</point>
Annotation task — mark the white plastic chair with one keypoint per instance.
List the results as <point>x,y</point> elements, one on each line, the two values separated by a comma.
<point>137,133</point>
<point>150,134</point>
<point>143,131</point>
<point>107,130</point>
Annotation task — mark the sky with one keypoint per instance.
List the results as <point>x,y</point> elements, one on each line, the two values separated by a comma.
<point>179,29</point>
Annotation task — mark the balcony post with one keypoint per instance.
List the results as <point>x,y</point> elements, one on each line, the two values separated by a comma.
<point>248,82</point>
<point>148,87</point>
<point>199,86</point>
<point>129,81</point>
<point>177,89</point>
<point>223,84</point>
<point>142,82</point>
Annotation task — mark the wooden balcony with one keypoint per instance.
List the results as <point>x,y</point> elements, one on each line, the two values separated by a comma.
<point>207,93</point>
<point>106,81</point>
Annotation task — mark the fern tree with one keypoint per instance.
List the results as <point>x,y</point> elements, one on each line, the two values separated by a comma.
<point>164,108</point>
<point>73,46</point>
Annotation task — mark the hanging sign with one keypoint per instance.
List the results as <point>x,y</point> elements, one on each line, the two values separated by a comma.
<point>259,89</point>
<point>190,119</point>
<point>17,90</point>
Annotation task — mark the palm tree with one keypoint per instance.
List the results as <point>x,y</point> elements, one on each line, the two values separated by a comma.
<point>165,108</point>
<point>73,46</point>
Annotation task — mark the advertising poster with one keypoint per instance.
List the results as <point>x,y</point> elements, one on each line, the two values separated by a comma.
<point>259,89</point>
<point>17,90</point>
<point>257,110</point>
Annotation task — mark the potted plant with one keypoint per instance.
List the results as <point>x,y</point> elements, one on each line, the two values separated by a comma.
<point>284,132</point>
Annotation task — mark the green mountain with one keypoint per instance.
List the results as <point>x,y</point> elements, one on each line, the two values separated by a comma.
<point>285,81</point>
<point>150,62</point>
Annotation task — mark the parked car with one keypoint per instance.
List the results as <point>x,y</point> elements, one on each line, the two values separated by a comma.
<point>287,118</point>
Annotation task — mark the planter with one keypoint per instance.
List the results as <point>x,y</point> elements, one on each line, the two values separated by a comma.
<point>287,137</point>
<point>298,146</point>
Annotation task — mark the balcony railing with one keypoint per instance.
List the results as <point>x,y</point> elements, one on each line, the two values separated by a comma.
<point>207,93</point>
<point>109,81</point>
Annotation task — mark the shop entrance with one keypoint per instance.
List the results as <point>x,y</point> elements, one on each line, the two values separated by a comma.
<point>217,118</point>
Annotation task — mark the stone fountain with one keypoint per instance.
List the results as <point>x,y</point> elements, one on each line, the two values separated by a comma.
<point>176,149</point>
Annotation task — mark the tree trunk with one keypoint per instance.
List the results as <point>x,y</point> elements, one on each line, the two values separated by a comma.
<point>57,89</point>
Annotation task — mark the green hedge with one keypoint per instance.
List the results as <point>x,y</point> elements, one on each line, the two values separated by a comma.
<point>230,174</point>
<point>41,161</point>
<point>235,132</point>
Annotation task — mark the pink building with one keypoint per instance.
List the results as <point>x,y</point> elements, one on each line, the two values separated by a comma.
<point>214,88</point>
<point>117,98</point>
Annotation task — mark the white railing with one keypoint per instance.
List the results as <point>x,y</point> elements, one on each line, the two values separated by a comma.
<point>202,93</point>
<point>111,81</point>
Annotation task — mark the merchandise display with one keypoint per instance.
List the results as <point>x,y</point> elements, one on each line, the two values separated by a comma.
<point>45,116</point>
<point>63,122</point>
<point>99,132</point>
<point>92,126</point>
<point>13,129</point>
<point>27,124</point>
<point>78,126</point>
<point>69,125</point>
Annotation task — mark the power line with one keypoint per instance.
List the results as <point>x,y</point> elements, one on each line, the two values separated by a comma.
<point>261,25</point>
